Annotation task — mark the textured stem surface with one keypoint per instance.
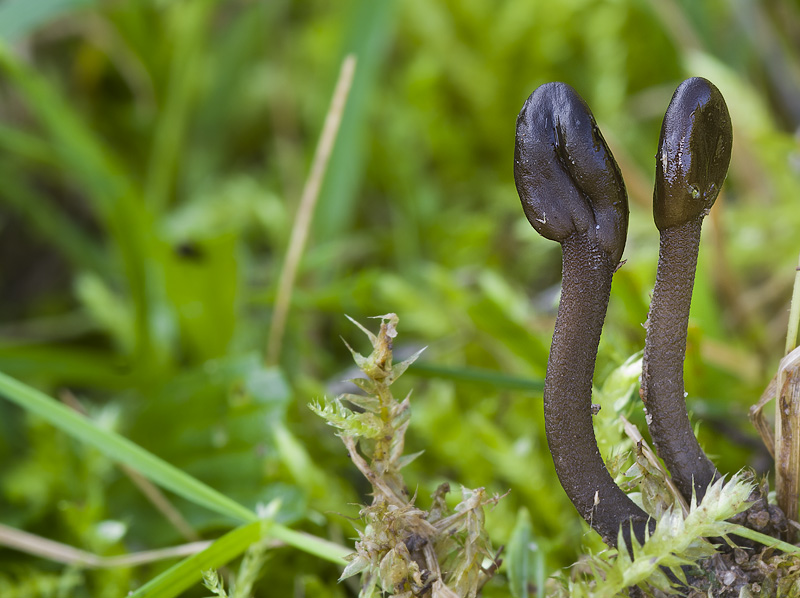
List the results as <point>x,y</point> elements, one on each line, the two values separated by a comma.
<point>664,353</point>
<point>586,287</point>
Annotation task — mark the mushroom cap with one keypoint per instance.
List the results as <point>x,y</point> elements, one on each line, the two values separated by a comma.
<point>694,152</point>
<point>566,176</point>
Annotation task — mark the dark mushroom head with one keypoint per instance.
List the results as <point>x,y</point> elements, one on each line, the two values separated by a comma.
<point>693,153</point>
<point>566,177</point>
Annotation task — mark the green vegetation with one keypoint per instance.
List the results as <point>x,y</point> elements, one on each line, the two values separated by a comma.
<point>153,154</point>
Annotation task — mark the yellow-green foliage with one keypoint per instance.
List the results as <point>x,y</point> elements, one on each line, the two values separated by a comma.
<point>403,550</point>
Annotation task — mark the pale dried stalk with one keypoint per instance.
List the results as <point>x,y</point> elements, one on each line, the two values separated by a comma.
<point>373,478</point>
<point>305,211</point>
<point>794,313</point>
<point>787,416</point>
<point>787,438</point>
<point>784,445</point>
<point>69,555</point>
<point>757,416</point>
<point>432,563</point>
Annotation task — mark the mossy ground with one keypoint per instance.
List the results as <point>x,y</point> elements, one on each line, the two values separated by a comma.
<point>152,155</point>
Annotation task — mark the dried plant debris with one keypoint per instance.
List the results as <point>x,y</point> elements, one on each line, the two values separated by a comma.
<point>403,550</point>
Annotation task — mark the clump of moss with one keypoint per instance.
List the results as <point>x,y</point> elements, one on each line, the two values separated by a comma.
<point>402,549</point>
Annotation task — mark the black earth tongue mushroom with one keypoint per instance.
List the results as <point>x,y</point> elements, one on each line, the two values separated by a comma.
<point>572,192</point>
<point>692,160</point>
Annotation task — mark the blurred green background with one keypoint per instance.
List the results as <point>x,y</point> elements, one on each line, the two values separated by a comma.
<point>152,156</point>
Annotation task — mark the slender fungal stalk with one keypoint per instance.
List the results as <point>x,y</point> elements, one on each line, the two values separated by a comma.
<point>691,164</point>
<point>572,192</point>
<point>585,290</point>
<point>664,354</point>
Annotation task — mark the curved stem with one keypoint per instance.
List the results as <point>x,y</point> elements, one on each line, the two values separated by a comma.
<point>586,286</point>
<point>664,354</point>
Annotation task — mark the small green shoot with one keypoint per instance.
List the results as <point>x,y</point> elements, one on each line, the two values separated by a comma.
<point>403,550</point>
<point>676,542</point>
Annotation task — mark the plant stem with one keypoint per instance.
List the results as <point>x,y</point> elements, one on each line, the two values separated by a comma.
<point>787,439</point>
<point>787,417</point>
<point>794,313</point>
<point>764,539</point>
<point>305,211</point>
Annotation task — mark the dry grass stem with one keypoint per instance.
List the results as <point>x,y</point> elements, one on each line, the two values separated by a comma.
<point>377,482</point>
<point>69,555</point>
<point>787,439</point>
<point>305,211</point>
<point>757,415</point>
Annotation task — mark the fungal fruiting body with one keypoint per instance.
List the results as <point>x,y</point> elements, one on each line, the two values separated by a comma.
<point>694,151</point>
<point>572,192</point>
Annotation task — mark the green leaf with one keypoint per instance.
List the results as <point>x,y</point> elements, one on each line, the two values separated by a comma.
<point>188,24</point>
<point>88,162</point>
<point>525,561</point>
<point>366,424</point>
<point>202,292</point>
<point>477,375</point>
<point>400,368</point>
<point>120,449</point>
<point>189,572</point>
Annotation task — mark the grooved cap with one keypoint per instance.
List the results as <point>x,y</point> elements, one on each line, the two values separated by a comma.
<point>694,152</point>
<point>566,176</point>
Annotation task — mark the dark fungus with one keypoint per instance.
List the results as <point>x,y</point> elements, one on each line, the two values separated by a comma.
<point>572,192</point>
<point>692,160</point>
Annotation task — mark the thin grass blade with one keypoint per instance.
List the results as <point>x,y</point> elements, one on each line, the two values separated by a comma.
<point>121,450</point>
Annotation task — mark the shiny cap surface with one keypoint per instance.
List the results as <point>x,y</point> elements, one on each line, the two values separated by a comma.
<point>694,152</point>
<point>566,176</point>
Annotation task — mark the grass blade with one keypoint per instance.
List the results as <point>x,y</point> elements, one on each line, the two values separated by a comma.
<point>53,225</point>
<point>107,185</point>
<point>305,211</point>
<point>189,30</point>
<point>120,449</point>
<point>189,571</point>
<point>480,376</point>
<point>369,37</point>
